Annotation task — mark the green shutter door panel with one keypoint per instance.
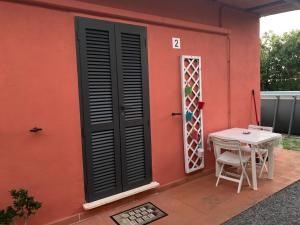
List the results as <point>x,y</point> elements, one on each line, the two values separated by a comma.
<point>113,79</point>
<point>99,106</point>
<point>134,105</point>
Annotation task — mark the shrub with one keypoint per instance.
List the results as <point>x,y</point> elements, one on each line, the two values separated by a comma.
<point>23,207</point>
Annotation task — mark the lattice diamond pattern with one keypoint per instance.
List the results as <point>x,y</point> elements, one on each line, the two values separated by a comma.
<point>193,147</point>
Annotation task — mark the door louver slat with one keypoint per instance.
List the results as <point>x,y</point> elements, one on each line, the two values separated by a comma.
<point>101,176</point>
<point>135,162</point>
<point>106,163</point>
<point>102,98</point>
<point>134,151</point>
<point>132,88</point>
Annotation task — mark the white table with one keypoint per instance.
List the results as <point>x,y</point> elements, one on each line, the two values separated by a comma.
<point>254,138</point>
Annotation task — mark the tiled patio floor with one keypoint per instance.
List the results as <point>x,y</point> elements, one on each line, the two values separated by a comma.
<point>200,202</point>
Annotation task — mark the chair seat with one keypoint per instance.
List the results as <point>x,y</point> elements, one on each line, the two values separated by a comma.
<point>232,159</point>
<point>247,148</point>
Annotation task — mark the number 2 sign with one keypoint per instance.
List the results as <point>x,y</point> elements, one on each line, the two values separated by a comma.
<point>176,42</point>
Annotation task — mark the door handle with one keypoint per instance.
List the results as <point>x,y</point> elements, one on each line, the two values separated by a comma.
<point>176,114</point>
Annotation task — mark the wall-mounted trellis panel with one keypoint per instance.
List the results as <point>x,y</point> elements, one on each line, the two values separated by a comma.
<point>192,113</point>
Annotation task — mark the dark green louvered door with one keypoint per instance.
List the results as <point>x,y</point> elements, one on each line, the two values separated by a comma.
<point>134,101</point>
<point>113,80</point>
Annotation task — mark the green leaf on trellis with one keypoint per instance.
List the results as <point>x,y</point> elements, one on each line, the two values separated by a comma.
<point>188,90</point>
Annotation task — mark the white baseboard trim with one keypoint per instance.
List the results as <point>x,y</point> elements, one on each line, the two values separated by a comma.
<point>113,198</point>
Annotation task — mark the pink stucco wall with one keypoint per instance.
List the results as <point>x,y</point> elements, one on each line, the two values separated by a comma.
<point>38,82</point>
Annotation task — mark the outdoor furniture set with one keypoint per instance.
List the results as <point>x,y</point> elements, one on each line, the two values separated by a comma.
<point>238,148</point>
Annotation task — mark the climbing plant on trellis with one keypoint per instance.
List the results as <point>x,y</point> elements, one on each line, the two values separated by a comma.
<point>192,113</point>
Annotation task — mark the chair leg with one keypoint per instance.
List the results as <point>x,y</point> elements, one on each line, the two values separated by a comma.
<point>240,183</point>
<point>246,175</point>
<point>260,156</point>
<point>221,170</point>
<point>264,164</point>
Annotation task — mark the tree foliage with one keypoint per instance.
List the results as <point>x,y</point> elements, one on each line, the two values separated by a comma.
<point>7,215</point>
<point>280,61</point>
<point>23,207</point>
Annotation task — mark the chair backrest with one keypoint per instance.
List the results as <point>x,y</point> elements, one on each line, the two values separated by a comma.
<point>226,144</point>
<point>269,129</point>
<point>256,127</point>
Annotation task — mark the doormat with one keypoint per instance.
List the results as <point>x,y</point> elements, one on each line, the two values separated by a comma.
<point>142,214</point>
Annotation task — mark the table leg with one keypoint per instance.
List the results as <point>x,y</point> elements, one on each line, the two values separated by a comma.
<point>253,166</point>
<point>270,162</point>
<point>218,167</point>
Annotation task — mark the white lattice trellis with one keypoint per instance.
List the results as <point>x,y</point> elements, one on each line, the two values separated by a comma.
<point>193,147</point>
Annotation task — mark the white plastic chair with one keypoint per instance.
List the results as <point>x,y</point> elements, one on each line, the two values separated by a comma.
<point>261,150</point>
<point>233,157</point>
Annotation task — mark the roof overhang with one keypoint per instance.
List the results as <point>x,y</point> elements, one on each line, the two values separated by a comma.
<point>262,7</point>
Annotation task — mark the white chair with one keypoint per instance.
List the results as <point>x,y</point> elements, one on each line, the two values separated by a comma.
<point>261,150</point>
<point>232,157</point>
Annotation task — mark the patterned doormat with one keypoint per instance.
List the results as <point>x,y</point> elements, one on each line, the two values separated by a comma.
<point>142,214</point>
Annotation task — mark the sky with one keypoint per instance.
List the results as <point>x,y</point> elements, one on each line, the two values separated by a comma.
<point>280,23</point>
